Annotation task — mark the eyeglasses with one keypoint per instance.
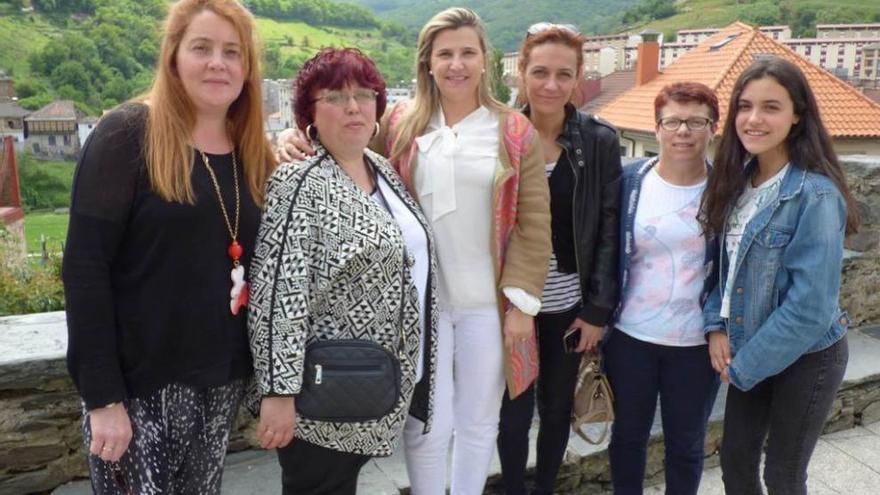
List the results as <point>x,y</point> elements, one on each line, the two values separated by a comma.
<point>693,123</point>
<point>540,27</point>
<point>340,98</point>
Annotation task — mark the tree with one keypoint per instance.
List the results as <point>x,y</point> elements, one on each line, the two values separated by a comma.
<point>499,88</point>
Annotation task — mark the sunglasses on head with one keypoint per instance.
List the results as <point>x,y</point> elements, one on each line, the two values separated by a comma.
<point>540,27</point>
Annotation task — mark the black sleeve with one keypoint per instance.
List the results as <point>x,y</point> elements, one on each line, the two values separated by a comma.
<point>601,298</point>
<point>104,187</point>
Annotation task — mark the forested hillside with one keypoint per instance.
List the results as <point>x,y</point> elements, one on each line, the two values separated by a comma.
<point>508,19</point>
<point>102,52</point>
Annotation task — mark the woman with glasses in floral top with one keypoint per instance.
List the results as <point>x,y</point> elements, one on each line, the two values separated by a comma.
<point>656,346</point>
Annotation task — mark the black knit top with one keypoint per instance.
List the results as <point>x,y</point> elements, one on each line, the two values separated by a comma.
<point>147,281</point>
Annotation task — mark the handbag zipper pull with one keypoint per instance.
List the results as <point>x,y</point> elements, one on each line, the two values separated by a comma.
<point>319,374</point>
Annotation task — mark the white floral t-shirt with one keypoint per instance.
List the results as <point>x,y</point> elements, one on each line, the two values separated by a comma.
<point>752,200</point>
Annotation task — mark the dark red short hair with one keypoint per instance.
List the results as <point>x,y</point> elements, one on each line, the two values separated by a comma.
<point>333,68</point>
<point>686,92</point>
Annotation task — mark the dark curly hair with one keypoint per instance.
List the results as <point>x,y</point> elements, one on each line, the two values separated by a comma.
<point>333,68</point>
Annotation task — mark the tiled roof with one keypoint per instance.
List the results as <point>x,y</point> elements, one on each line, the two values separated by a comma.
<point>612,85</point>
<point>11,109</point>
<point>57,110</point>
<point>845,111</point>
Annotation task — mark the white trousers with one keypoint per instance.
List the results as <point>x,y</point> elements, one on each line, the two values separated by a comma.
<point>467,401</point>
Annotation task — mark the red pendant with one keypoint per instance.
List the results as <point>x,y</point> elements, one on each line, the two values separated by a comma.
<point>235,250</point>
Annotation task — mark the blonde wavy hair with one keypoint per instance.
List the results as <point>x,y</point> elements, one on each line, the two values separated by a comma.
<point>172,115</point>
<point>427,98</point>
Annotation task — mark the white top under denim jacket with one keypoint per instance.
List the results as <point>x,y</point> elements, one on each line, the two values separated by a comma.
<point>666,268</point>
<point>749,203</point>
<point>455,187</point>
<point>329,264</point>
<point>786,280</point>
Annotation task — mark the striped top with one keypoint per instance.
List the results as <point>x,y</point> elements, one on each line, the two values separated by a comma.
<point>562,291</point>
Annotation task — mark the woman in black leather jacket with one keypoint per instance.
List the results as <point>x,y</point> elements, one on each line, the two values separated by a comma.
<point>582,156</point>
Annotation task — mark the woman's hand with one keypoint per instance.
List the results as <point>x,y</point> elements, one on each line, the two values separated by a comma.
<point>518,327</point>
<point>111,432</point>
<point>591,335</point>
<point>292,145</point>
<point>719,352</point>
<point>277,422</point>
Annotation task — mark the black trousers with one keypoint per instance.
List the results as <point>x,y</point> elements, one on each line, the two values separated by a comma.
<point>789,411</point>
<point>555,392</point>
<point>309,469</point>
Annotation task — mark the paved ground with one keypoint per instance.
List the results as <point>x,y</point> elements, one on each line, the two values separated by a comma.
<point>846,462</point>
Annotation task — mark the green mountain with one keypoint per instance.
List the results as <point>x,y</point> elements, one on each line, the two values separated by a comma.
<point>802,16</point>
<point>102,52</point>
<point>507,20</point>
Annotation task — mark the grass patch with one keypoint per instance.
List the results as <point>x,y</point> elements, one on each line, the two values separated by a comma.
<point>52,226</point>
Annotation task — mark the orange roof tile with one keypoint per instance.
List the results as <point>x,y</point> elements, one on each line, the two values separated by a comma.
<point>845,111</point>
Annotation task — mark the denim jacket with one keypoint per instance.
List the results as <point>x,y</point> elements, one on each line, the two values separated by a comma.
<point>630,190</point>
<point>784,301</point>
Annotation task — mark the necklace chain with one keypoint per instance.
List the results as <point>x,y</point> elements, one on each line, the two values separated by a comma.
<point>233,232</point>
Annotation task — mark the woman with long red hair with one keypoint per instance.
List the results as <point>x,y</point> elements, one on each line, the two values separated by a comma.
<point>164,215</point>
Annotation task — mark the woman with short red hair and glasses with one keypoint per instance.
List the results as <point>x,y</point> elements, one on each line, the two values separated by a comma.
<point>343,253</point>
<point>581,157</point>
<point>656,346</point>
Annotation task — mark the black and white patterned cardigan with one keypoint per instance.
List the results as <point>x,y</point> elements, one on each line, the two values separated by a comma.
<point>329,264</point>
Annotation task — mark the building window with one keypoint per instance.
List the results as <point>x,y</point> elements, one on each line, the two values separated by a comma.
<point>51,140</point>
<point>66,140</point>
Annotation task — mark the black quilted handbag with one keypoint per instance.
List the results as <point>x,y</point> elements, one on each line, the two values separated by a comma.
<point>348,380</point>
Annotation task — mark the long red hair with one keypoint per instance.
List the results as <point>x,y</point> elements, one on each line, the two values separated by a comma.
<point>172,119</point>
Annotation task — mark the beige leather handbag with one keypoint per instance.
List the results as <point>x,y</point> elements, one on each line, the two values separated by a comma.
<point>593,398</point>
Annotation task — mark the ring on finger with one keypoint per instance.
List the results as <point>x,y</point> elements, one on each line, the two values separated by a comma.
<point>107,449</point>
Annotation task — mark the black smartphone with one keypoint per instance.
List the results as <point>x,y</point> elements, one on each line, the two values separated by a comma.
<point>571,339</point>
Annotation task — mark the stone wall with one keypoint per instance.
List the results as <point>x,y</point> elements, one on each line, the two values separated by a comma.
<point>861,271</point>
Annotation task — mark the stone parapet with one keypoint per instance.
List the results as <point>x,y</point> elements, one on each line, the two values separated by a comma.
<point>859,293</point>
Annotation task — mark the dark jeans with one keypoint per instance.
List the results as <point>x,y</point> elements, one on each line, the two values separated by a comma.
<point>309,469</point>
<point>555,389</point>
<point>686,383</point>
<point>789,410</point>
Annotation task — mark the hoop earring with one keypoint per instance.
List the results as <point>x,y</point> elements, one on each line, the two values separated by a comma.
<point>376,132</point>
<point>309,129</point>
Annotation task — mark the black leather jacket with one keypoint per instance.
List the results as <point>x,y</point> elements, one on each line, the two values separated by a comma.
<point>593,152</point>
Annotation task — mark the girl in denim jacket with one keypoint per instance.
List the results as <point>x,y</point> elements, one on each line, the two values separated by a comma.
<point>776,332</point>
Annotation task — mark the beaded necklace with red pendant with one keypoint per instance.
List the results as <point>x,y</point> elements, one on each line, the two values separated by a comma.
<point>239,293</point>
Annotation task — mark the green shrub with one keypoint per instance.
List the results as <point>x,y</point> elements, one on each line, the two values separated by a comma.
<point>26,287</point>
<point>44,184</point>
